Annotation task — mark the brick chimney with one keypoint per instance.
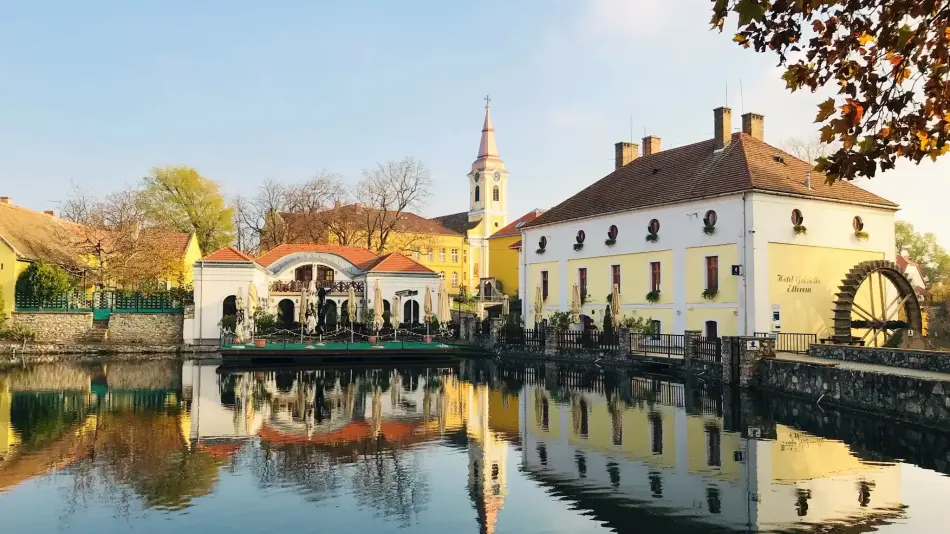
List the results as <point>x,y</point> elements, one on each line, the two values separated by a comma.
<point>754,125</point>
<point>722,126</point>
<point>5,200</point>
<point>651,145</point>
<point>51,213</point>
<point>624,153</point>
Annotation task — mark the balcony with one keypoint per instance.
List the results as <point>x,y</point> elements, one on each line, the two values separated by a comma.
<point>296,286</point>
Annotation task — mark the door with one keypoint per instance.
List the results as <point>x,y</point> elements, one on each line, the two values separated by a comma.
<point>712,330</point>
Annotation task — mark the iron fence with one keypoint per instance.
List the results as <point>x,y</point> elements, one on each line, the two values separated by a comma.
<point>589,339</point>
<point>791,341</point>
<point>708,349</point>
<point>521,337</point>
<point>657,345</point>
<point>96,301</point>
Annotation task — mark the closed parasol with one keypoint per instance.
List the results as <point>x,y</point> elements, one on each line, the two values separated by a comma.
<point>377,307</point>
<point>239,317</point>
<point>538,307</point>
<point>615,304</point>
<point>505,306</point>
<point>576,305</point>
<point>252,303</point>
<point>445,308</point>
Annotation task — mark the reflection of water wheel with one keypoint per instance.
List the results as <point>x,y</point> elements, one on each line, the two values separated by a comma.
<point>877,315</point>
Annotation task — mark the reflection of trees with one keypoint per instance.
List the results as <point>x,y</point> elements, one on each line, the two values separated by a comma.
<point>305,467</point>
<point>391,482</point>
<point>40,417</point>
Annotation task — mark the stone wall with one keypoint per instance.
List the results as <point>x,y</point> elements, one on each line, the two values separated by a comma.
<point>152,328</point>
<point>913,399</point>
<point>59,327</point>
<point>927,360</point>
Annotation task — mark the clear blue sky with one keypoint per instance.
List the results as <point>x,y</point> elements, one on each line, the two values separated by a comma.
<point>99,92</point>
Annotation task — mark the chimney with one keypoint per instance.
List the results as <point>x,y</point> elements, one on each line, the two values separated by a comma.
<point>807,182</point>
<point>651,145</point>
<point>624,153</point>
<point>336,204</point>
<point>5,200</point>
<point>722,126</point>
<point>754,125</point>
<point>51,213</point>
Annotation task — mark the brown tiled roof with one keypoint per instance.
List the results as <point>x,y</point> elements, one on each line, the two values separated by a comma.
<point>355,255</point>
<point>516,245</point>
<point>456,222</point>
<point>396,263</point>
<point>309,226</point>
<point>171,243</point>
<point>227,254</point>
<point>695,171</point>
<point>35,235</point>
<point>514,228</point>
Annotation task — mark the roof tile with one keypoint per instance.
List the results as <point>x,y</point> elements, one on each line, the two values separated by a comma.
<point>227,254</point>
<point>396,263</point>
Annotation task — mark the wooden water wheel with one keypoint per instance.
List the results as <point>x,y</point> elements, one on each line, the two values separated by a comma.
<point>879,315</point>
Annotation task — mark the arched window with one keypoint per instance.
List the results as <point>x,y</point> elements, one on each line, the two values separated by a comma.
<point>229,307</point>
<point>477,193</point>
<point>285,312</point>
<point>410,311</point>
<point>495,194</point>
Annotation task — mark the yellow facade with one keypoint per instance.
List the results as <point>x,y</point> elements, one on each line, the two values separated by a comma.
<point>727,320</point>
<point>192,255</point>
<point>8,438</point>
<point>534,281</point>
<point>699,432</point>
<point>696,273</point>
<point>803,282</point>
<point>9,270</point>
<point>503,263</point>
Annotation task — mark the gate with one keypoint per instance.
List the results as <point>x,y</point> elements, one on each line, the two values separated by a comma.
<point>734,360</point>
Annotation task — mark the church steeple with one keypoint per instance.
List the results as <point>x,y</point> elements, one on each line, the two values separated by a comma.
<point>488,148</point>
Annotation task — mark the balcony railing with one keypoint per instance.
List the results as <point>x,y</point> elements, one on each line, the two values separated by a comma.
<point>296,286</point>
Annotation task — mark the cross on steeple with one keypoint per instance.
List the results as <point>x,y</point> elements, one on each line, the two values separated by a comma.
<point>487,102</point>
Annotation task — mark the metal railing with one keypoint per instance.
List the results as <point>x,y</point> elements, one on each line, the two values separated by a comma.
<point>791,341</point>
<point>590,339</point>
<point>108,300</point>
<point>708,349</point>
<point>521,337</point>
<point>658,345</point>
<point>296,286</point>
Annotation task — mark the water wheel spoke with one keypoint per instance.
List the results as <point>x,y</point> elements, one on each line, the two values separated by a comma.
<point>868,316</point>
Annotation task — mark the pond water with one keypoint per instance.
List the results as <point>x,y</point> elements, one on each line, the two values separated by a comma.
<point>472,447</point>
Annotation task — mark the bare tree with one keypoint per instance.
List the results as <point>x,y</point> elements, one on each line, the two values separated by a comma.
<point>807,149</point>
<point>262,219</point>
<point>386,193</point>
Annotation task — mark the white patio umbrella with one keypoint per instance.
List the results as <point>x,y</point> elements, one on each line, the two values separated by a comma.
<point>445,307</point>
<point>538,307</point>
<point>576,305</point>
<point>427,307</point>
<point>377,307</point>
<point>239,319</point>
<point>252,303</point>
<point>505,306</point>
<point>615,304</point>
<point>351,309</point>
<point>302,314</point>
<point>394,316</point>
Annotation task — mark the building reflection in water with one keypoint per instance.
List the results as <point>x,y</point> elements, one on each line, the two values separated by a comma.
<point>632,452</point>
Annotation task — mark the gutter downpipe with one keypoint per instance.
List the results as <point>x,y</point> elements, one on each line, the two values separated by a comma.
<point>201,299</point>
<point>745,280</point>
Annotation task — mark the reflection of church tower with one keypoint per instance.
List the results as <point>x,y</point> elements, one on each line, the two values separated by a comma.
<point>487,462</point>
<point>488,198</point>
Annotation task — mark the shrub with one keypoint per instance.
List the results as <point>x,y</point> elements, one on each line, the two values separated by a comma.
<point>331,317</point>
<point>640,325</point>
<point>608,322</point>
<point>20,334</point>
<point>44,282</point>
<point>653,296</point>
<point>560,321</point>
<point>710,294</point>
<point>264,322</point>
<point>387,318</point>
<point>228,322</point>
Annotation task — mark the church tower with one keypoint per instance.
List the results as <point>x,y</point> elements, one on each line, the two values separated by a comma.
<point>488,198</point>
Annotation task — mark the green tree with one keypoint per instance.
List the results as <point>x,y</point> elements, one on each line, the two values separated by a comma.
<point>180,199</point>
<point>44,282</point>
<point>608,322</point>
<point>889,62</point>
<point>924,250</point>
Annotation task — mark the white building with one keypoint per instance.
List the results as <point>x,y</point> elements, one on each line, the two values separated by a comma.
<point>727,236</point>
<point>280,275</point>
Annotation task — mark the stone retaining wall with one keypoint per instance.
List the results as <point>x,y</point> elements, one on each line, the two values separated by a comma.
<point>914,399</point>
<point>60,327</point>
<point>926,360</point>
<point>151,328</point>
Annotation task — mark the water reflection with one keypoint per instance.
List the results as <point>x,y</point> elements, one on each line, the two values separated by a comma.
<point>430,448</point>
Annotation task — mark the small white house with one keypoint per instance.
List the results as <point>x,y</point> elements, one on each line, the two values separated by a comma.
<point>280,275</point>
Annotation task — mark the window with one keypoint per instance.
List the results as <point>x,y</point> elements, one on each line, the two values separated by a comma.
<point>582,280</point>
<point>495,194</point>
<point>415,254</point>
<point>455,255</point>
<point>712,329</point>
<point>304,273</point>
<point>655,421</point>
<point>441,275</point>
<point>713,446</point>
<point>455,279</point>
<point>544,285</point>
<point>429,256</point>
<point>442,256</point>
<point>655,276</point>
<point>712,273</point>
<point>656,327</point>
<point>324,275</point>
<point>477,194</point>
<point>615,277</point>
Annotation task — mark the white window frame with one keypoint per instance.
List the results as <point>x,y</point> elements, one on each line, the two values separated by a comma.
<point>442,255</point>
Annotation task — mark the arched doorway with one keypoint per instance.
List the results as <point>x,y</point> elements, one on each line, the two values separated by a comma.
<point>712,329</point>
<point>410,312</point>
<point>387,312</point>
<point>330,315</point>
<point>285,313</point>
<point>345,312</point>
<point>229,306</point>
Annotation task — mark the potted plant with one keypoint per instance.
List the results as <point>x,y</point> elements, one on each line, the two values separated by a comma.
<point>709,229</point>
<point>653,296</point>
<point>653,238</point>
<point>800,229</point>
<point>264,323</point>
<point>710,294</point>
<point>861,234</point>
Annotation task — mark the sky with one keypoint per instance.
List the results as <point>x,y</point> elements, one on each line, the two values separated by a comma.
<point>97,93</point>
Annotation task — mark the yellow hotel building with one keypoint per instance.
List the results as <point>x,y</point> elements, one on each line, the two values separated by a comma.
<point>728,236</point>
